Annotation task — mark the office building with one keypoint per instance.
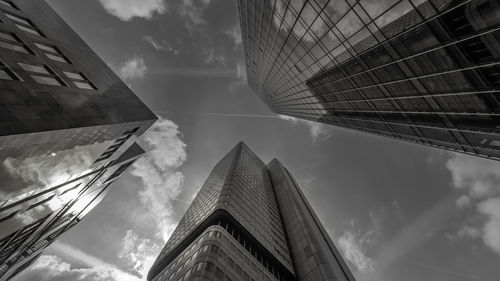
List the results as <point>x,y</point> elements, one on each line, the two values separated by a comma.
<point>427,72</point>
<point>249,221</point>
<point>68,127</point>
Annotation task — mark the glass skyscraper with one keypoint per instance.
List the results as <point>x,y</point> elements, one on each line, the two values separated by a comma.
<point>68,127</point>
<point>249,221</point>
<point>421,71</point>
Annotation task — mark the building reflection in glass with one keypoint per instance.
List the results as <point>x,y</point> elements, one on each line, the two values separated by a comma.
<point>68,129</point>
<point>421,71</point>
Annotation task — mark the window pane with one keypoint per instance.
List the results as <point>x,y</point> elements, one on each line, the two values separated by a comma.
<point>7,3</point>
<point>218,273</point>
<point>74,75</point>
<point>57,58</point>
<point>13,47</point>
<point>46,47</point>
<point>27,29</point>
<point>8,36</point>
<point>4,75</point>
<point>46,80</point>
<point>84,85</point>
<point>18,19</point>
<point>34,68</point>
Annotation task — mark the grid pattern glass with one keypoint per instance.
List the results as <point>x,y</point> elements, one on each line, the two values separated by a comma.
<point>421,71</point>
<point>240,185</point>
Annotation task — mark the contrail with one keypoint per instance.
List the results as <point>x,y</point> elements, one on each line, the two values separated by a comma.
<point>219,114</point>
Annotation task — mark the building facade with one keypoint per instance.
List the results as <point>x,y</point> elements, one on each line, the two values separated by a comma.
<point>68,129</point>
<point>249,221</point>
<point>427,72</point>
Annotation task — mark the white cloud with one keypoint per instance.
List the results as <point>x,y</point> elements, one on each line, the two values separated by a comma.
<point>192,11</point>
<point>241,77</point>
<point>234,33</point>
<point>161,46</point>
<point>351,248</point>
<point>467,231</point>
<point>491,230</point>
<point>317,131</point>
<point>463,201</point>
<point>51,267</point>
<point>133,68</point>
<point>480,179</point>
<point>128,9</point>
<point>139,253</point>
<point>158,170</point>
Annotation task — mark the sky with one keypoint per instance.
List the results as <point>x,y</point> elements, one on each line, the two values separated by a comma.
<point>397,211</point>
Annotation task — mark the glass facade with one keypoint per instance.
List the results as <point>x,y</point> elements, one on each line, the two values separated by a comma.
<point>415,70</point>
<point>68,129</point>
<point>239,226</point>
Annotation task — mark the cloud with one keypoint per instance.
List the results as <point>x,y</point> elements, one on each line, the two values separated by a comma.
<point>139,253</point>
<point>468,232</point>
<point>317,131</point>
<point>128,9</point>
<point>241,77</point>
<point>234,33</point>
<point>491,230</point>
<point>480,180</point>
<point>350,245</point>
<point>161,46</point>
<point>52,267</point>
<point>192,11</point>
<point>158,170</point>
<point>133,68</point>
<point>479,177</point>
<point>463,201</point>
<point>49,267</point>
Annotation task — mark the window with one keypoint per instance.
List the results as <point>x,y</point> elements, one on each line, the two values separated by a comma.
<point>214,248</point>
<point>116,145</point>
<point>41,74</point>
<point>218,273</point>
<point>238,269</point>
<point>12,42</point>
<point>34,68</point>
<point>119,171</point>
<point>209,267</point>
<point>6,73</point>
<point>198,266</point>
<point>222,254</point>
<point>79,80</point>
<point>24,24</point>
<point>52,52</point>
<point>8,3</point>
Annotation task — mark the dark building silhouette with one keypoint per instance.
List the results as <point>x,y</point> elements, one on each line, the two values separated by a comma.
<point>421,71</point>
<point>68,127</point>
<point>249,221</point>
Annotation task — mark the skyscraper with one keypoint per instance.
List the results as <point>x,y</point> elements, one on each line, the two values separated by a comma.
<point>421,71</point>
<point>249,221</point>
<point>68,127</point>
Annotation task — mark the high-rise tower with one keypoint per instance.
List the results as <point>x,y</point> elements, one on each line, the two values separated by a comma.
<point>249,221</point>
<point>421,71</point>
<point>68,127</point>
